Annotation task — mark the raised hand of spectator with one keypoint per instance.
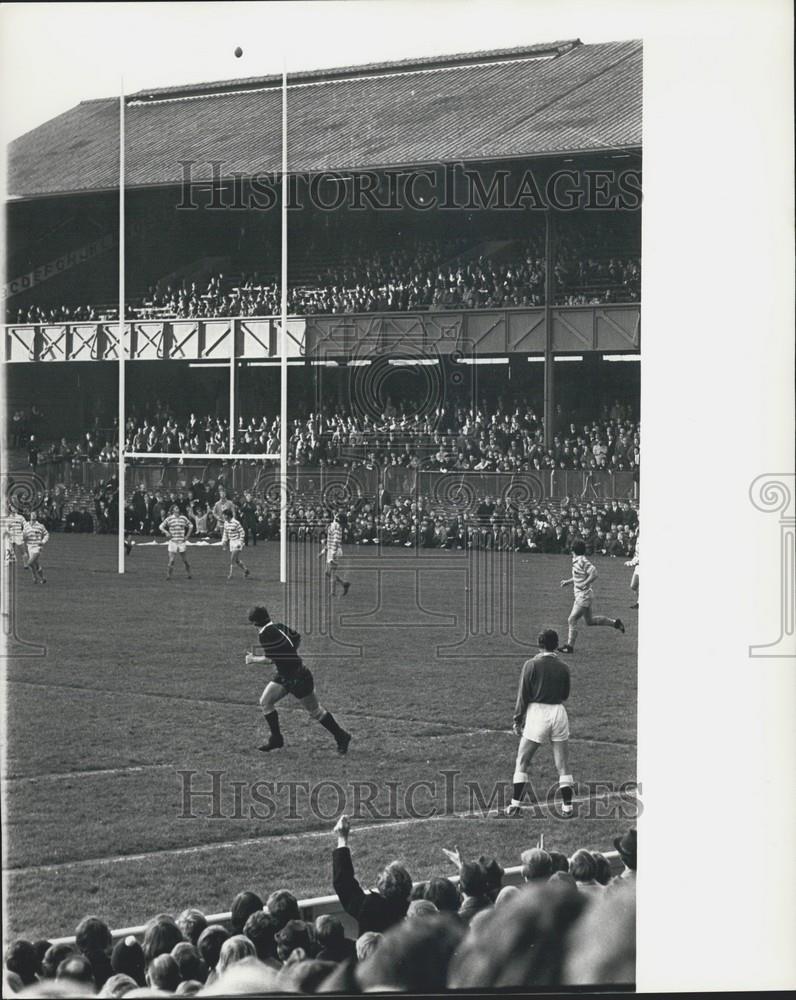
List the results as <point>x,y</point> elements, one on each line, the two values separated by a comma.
<point>343,829</point>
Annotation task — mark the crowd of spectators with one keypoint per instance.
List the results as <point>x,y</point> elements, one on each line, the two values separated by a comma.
<point>454,438</point>
<point>431,274</point>
<point>571,923</point>
<point>459,520</point>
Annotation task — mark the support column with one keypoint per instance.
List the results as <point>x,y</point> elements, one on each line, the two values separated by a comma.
<point>549,364</point>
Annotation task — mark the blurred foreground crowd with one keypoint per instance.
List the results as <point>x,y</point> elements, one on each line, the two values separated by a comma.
<point>571,922</point>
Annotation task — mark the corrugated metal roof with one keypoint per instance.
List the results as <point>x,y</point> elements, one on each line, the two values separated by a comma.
<point>563,97</point>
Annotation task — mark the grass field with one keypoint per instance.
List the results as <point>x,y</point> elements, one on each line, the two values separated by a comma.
<point>144,678</point>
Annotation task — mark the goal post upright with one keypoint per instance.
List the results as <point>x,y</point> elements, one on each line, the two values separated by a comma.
<point>120,435</point>
<point>283,348</point>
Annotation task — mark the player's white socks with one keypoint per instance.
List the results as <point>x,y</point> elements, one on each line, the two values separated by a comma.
<point>572,634</point>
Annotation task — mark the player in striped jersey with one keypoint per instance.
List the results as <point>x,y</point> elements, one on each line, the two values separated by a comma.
<point>13,524</point>
<point>232,537</point>
<point>178,529</point>
<point>634,579</point>
<point>333,548</point>
<point>35,535</point>
<point>583,576</point>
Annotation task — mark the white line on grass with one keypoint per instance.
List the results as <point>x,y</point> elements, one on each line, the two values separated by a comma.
<point>225,845</point>
<point>456,730</point>
<point>87,772</point>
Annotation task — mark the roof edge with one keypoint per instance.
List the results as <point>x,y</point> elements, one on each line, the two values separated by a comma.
<point>549,49</point>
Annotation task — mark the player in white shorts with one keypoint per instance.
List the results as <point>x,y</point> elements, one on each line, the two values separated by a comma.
<point>333,548</point>
<point>35,535</point>
<point>178,529</point>
<point>540,717</point>
<point>233,536</point>
<point>13,524</point>
<point>634,579</point>
<point>583,576</point>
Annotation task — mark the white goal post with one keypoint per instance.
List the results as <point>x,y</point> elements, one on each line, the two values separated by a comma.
<point>281,456</point>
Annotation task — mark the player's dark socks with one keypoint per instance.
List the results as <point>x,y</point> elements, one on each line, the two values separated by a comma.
<point>342,744</point>
<point>518,790</point>
<point>328,721</point>
<point>566,795</point>
<point>272,718</point>
<point>274,743</point>
<point>620,625</point>
<point>345,588</point>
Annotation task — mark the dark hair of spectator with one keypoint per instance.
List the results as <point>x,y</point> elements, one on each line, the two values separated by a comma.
<point>579,548</point>
<point>53,957</point>
<point>493,872</point>
<point>444,894</point>
<point>21,958</point>
<point>244,904</point>
<point>160,937</point>
<point>189,961</point>
<point>603,874</point>
<point>93,936</point>
<point>41,947</point>
<point>329,931</point>
<point>582,866</point>
<point>282,905</point>
<point>260,929</point>
<point>128,957</point>
<point>295,934</point>
<point>209,944</point>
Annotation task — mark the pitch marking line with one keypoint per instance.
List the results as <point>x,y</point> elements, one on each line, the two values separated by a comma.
<point>85,773</point>
<point>355,713</point>
<point>225,845</point>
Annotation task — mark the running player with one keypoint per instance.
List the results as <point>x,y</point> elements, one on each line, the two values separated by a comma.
<point>13,541</point>
<point>178,529</point>
<point>280,646</point>
<point>540,717</point>
<point>583,576</point>
<point>634,579</point>
<point>35,535</point>
<point>333,548</point>
<point>232,537</point>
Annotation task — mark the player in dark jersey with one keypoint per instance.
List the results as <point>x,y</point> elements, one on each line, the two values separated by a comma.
<point>280,645</point>
<point>540,717</point>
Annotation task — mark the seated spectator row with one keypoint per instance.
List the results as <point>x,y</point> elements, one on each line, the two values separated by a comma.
<point>426,275</point>
<point>572,922</point>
